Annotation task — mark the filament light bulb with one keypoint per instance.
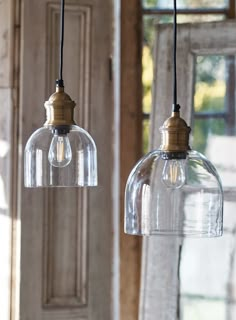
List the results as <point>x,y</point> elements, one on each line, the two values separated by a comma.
<point>60,154</point>
<point>173,175</point>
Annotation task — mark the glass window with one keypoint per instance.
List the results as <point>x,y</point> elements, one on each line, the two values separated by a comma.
<point>210,114</point>
<point>149,23</point>
<point>208,283</point>
<point>181,4</point>
<point>214,113</point>
<point>208,268</point>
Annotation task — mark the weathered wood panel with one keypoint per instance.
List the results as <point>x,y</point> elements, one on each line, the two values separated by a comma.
<point>131,149</point>
<point>7,43</point>
<point>5,202</point>
<point>9,220</point>
<point>65,284</point>
<point>67,235</point>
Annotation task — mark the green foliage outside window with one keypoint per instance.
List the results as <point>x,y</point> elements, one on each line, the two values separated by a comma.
<point>210,90</point>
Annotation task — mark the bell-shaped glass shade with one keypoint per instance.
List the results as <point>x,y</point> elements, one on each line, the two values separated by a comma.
<point>181,197</point>
<point>60,160</point>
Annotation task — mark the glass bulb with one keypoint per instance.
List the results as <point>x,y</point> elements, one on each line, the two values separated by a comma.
<point>60,154</point>
<point>173,174</point>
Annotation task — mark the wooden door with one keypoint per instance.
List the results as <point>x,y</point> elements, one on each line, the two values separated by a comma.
<point>68,239</point>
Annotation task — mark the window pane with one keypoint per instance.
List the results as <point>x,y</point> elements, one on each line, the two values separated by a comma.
<point>208,268</point>
<point>207,273</point>
<point>147,78</point>
<point>210,83</point>
<point>163,4</point>
<point>203,129</point>
<point>202,309</point>
<point>205,267</point>
<point>149,23</point>
<point>214,109</point>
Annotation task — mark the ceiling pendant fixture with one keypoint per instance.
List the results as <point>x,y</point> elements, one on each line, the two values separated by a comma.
<point>174,190</point>
<point>60,154</point>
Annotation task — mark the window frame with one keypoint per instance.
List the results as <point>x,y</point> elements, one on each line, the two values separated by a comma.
<point>192,42</point>
<point>230,13</point>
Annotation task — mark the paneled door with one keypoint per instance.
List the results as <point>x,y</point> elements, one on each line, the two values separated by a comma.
<point>68,239</point>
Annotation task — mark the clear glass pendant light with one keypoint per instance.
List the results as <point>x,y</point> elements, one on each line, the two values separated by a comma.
<point>174,190</point>
<point>189,204</point>
<point>60,154</point>
<point>60,160</point>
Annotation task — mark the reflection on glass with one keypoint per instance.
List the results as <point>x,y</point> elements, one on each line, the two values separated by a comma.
<point>163,4</point>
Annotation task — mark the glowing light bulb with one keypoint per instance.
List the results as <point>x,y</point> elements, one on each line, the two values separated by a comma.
<point>173,175</point>
<point>60,154</point>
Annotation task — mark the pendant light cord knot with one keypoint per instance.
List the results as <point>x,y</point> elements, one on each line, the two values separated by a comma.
<point>176,107</point>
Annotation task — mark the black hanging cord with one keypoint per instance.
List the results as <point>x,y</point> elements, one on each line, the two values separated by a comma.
<point>176,107</point>
<point>60,80</point>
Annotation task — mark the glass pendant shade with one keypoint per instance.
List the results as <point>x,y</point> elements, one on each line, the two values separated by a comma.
<point>174,193</point>
<point>60,154</point>
<point>52,162</point>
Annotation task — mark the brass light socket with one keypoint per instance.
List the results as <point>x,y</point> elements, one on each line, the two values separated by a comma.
<point>59,109</point>
<point>175,134</point>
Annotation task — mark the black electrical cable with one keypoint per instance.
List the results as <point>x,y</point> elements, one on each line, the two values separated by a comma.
<point>176,107</point>
<point>60,80</point>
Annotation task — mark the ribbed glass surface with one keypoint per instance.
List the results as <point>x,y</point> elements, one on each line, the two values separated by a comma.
<point>193,206</point>
<point>54,160</point>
